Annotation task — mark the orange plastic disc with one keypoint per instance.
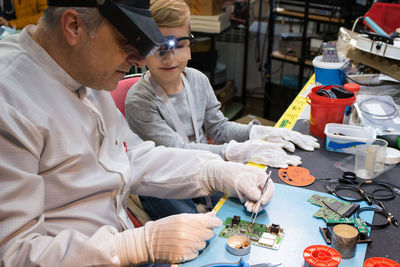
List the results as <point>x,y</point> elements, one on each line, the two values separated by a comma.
<point>321,256</point>
<point>380,262</point>
<point>297,176</point>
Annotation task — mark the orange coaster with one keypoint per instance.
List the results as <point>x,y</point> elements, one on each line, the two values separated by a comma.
<point>297,176</point>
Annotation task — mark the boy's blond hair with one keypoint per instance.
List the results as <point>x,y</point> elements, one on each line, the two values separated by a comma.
<point>170,13</point>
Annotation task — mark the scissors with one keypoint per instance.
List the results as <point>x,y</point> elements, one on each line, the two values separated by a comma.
<point>241,263</point>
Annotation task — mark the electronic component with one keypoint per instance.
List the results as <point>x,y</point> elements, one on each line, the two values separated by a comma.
<point>235,220</point>
<point>269,236</point>
<point>254,238</point>
<point>274,228</point>
<point>332,208</point>
<point>256,232</point>
<point>267,239</point>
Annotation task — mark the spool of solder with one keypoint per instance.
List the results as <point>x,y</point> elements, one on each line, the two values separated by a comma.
<point>380,262</point>
<point>321,256</point>
<point>238,245</point>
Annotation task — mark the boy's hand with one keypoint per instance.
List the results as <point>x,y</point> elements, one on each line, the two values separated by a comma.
<point>285,137</point>
<point>260,152</point>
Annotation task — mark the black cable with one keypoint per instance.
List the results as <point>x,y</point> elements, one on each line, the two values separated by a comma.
<point>346,184</point>
<point>341,187</point>
<point>383,187</point>
<point>354,81</point>
<point>378,211</point>
<point>371,197</point>
<point>395,188</point>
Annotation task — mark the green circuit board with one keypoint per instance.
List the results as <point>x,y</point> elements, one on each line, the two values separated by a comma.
<point>263,235</point>
<point>332,208</point>
<point>357,222</point>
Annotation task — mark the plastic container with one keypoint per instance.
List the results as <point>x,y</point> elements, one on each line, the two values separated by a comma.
<point>345,138</point>
<point>327,73</point>
<point>365,161</point>
<point>386,15</point>
<point>326,110</point>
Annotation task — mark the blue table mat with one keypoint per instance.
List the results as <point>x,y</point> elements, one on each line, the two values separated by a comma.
<point>290,209</point>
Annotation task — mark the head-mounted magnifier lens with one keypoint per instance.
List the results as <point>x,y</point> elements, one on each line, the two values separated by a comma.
<point>177,47</point>
<point>132,18</point>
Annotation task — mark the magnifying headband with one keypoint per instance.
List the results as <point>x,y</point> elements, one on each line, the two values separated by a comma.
<point>132,18</point>
<point>179,47</point>
<point>171,42</point>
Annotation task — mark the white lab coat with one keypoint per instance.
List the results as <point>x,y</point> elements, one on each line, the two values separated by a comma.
<point>64,169</point>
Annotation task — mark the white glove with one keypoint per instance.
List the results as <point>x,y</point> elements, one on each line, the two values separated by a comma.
<point>179,238</point>
<point>284,136</point>
<point>260,152</point>
<point>237,180</point>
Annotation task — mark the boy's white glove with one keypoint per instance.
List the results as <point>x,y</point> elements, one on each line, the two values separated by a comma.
<point>237,180</point>
<point>260,152</point>
<point>179,238</point>
<point>284,136</point>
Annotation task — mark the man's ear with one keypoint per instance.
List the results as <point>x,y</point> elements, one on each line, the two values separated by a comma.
<point>71,25</point>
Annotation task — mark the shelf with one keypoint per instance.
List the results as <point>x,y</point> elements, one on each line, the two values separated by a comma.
<point>278,55</point>
<point>313,17</point>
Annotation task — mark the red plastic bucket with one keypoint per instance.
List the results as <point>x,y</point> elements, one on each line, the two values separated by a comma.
<point>325,110</point>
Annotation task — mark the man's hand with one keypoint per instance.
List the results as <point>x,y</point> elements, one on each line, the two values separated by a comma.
<point>237,180</point>
<point>3,22</point>
<point>260,152</point>
<point>285,137</point>
<point>179,238</point>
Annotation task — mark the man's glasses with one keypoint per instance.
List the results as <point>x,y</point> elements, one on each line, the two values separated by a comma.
<point>177,47</point>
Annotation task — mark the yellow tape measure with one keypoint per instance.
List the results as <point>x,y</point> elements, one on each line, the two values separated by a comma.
<point>292,113</point>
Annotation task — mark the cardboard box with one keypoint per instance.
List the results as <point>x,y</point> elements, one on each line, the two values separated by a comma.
<point>205,7</point>
<point>256,8</point>
<point>226,93</point>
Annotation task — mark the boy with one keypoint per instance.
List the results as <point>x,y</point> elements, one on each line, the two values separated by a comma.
<point>175,106</point>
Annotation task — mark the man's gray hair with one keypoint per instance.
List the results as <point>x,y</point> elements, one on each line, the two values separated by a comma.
<point>90,16</point>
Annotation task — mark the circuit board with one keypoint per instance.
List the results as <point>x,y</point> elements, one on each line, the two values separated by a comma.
<point>357,222</point>
<point>332,208</point>
<point>263,235</point>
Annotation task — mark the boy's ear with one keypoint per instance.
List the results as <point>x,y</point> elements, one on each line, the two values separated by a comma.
<point>71,26</point>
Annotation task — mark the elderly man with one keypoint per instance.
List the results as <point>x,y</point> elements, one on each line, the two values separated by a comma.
<point>68,158</point>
